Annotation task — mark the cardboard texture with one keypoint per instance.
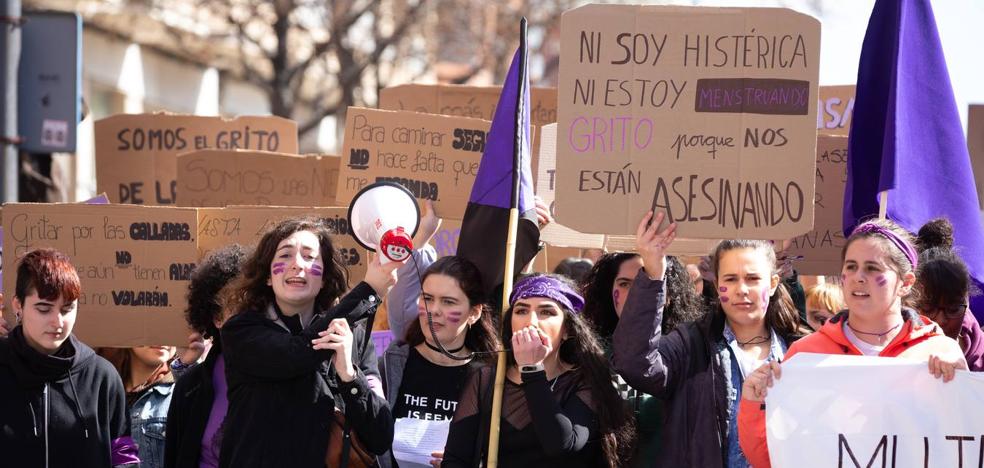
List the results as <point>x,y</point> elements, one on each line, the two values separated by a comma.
<point>470,101</point>
<point>708,114</point>
<point>245,225</point>
<point>134,263</point>
<point>820,248</point>
<point>136,153</point>
<point>835,109</point>
<point>223,178</point>
<point>445,240</point>
<point>436,157</point>
<point>975,144</point>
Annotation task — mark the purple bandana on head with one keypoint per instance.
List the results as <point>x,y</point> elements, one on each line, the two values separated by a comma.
<point>898,242</point>
<point>550,288</point>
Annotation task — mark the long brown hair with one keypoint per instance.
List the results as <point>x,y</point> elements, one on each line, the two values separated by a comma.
<point>781,314</point>
<point>480,337</point>
<point>249,292</point>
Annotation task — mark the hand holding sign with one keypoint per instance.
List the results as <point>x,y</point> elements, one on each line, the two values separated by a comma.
<point>652,245</point>
<point>758,383</point>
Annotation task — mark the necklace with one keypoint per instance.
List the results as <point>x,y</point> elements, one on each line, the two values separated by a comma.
<point>879,335</point>
<point>438,350</point>
<point>755,340</point>
<point>553,383</point>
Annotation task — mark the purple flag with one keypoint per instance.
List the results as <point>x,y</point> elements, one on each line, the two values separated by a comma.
<point>504,173</point>
<point>906,136</point>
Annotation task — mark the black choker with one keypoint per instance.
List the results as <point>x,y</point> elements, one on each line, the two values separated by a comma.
<point>438,350</point>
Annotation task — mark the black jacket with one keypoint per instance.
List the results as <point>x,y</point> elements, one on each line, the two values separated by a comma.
<point>191,404</point>
<point>68,407</point>
<point>282,392</point>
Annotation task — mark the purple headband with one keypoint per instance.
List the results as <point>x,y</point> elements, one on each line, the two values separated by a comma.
<point>550,288</point>
<point>900,243</point>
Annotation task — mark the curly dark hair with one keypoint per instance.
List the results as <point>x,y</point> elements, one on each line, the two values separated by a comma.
<point>249,292</point>
<point>682,303</point>
<point>208,278</point>
<point>583,350</point>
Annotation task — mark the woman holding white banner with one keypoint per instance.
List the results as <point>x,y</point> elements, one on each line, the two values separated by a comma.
<point>698,369</point>
<point>877,274</point>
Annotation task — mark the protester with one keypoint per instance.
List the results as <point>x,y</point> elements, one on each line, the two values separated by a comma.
<point>605,291</point>
<point>292,355</point>
<point>877,273</point>
<point>823,300</point>
<point>695,277</point>
<point>60,403</point>
<point>574,268</point>
<point>559,407</point>
<point>943,285</point>
<point>698,369</point>
<point>422,383</point>
<point>199,400</point>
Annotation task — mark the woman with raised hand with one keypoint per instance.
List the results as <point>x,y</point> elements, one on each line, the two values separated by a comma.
<point>879,261</point>
<point>61,405</point>
<point>559,407</point>
<point>699,368</point>
<point>293,355</point>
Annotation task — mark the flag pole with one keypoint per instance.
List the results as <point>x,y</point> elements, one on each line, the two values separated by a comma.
<point>508,271</point>
<point>883,205</point>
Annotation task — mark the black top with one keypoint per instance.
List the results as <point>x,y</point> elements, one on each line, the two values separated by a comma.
<point>72,401</point>
<point>420,396</point>
<point>544,423</point>
<point>282,392</point>
<point>187,417</point>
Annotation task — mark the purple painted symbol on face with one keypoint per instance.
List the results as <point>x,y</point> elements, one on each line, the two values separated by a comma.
<point>724,298</point>
<point>722,289</point>
<point>843,278</point>
<point>278,268</point>
<point>316,270</point>
<point>615,297</point>
<point>765,298</point>
<point>454,317</point>
<point>881,280</point>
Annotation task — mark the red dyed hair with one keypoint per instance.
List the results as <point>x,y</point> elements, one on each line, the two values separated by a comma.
<point>50,273</point>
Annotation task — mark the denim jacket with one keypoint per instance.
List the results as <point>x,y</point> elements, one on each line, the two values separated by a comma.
<point>148,417</point>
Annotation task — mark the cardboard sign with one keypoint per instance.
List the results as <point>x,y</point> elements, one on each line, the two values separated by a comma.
<point>224,178</point>
<point>835,109</point>
<point>136,154</point>
<point>708,114</point>
<point>245,225</point>
<point>975,144</point>
<point>134,263</point>
<point>436,157</point>
<point>854,411</point>
<point>818,252</point>
<point>445,240</point>
<point>477,102</point>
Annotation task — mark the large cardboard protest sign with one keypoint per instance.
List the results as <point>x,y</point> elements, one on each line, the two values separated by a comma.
<point>857,411</point>
<point>818,252</point>
<point>708,114</point>
<point>134,263</point>
<point>835,109</point>
<point>436,157</point>
<point>466,101</point>
<point>224,178</point>
<point>445,240</point>
<point>245,225</point>
<point>136,154</point>
<point>975,144</point>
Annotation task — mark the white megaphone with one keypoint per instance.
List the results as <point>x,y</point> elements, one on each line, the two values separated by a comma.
<point>384,217</point>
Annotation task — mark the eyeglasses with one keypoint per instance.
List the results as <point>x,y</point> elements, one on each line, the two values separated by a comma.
<point>952,312</point>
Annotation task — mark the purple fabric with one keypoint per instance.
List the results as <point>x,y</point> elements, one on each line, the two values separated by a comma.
<point>907,137</point>
<point>898,242</point>
<point>493,183</point>
<point>550,288</point>
<point>123,451</point>
<point>971,340</point>
<point>210,444</point>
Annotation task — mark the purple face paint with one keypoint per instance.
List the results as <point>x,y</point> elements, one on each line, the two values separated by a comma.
<point>722,289</point>
<point>765,298</point>
<point>454,317</point>
<point>843,278</point>
<point>881,280</point>
<point>279,268</point>
<point>615,297</point>
<point>316,270</point>
<point>724,298</point>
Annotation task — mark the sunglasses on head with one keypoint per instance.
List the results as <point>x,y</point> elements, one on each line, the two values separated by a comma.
<point>951,312</point>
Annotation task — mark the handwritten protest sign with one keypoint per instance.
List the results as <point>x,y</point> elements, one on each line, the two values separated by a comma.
<point>818,252</point>
<point>835,109</point>
<point>136,153</point>
<point>857,411</point>
<point>445,240</point>
<point>975,144</point>
<point>223,178</point>
<point>134,263</point>
<point>436,157</point>
<point>245,225</point>
<point>706,113</point>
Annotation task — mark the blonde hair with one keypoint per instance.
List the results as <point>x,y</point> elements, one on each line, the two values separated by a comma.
<point>825,296</point>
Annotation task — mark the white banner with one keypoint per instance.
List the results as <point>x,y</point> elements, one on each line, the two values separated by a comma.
<point>853,411</point>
